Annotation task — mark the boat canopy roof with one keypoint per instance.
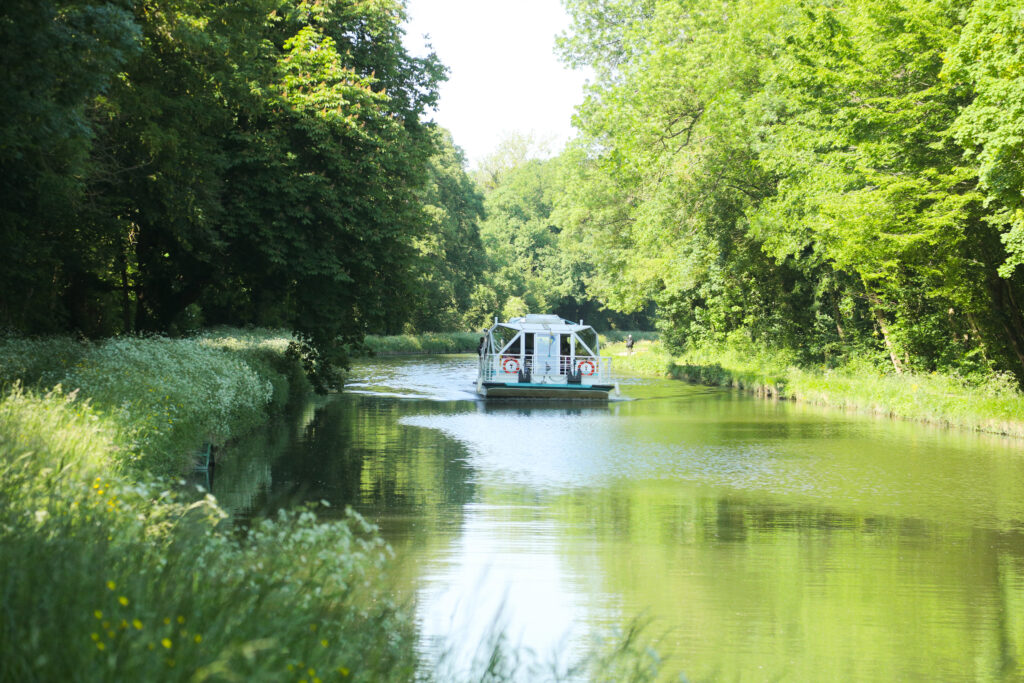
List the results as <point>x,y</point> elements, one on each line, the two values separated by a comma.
<point>542,323</point>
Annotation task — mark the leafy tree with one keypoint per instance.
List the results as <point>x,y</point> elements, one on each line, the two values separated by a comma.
<point>59,58</point>
<point>451,257</point>
<point>663,201</point>
<point>247,161</point>
<point>795,174</point>
<point>532,265</point>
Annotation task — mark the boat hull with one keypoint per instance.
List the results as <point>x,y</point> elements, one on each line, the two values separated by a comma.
<point>590,392</point>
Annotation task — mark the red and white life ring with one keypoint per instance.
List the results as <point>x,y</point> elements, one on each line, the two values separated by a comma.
<point>510,364</point>
<point>586,367</point>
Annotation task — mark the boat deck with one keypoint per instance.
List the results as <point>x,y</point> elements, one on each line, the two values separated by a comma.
<point>569,391</point>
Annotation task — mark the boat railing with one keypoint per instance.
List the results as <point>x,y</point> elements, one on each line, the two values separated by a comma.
<point>496,367</point>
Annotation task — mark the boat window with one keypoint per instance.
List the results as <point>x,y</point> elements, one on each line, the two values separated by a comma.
<point>502,335</point>
<point>513,349</point>
<point>588,337</point>
<point>566,346</point>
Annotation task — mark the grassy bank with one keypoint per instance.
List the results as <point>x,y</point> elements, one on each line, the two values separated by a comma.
<point>106,577</point>
<point>991,403</point>
<point>428,342</point>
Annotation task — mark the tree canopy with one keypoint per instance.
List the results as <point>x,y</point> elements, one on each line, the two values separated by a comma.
<point>831,176</point>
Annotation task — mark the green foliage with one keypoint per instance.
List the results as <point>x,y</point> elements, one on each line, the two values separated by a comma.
<point>106,578</point>
<point>533,266</point>
<point>60,58</point>
<point>615,336</point>
<point>988,58</point>
<point>991,403</point>
<point>451,256</point>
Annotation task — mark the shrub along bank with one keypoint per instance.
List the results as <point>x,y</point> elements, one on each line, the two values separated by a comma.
<point>106,574</point>
<point>989,403</point>
<point>427,342</point>
<point>165,397</point>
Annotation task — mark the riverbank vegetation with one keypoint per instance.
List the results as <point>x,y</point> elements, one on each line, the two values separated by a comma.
<point>983,402</point>
<point>170,165</point>
<point>831,181</point>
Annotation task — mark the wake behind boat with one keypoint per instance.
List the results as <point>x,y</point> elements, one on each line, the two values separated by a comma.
<point>543,356</point>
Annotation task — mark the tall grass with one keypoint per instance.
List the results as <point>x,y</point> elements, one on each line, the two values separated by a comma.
<point>106,578</point>
<point>988,403</point>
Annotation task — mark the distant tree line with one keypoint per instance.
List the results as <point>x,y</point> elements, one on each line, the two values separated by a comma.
<point>529,267</point>
<point>834,177</point>
<point>171,163</point>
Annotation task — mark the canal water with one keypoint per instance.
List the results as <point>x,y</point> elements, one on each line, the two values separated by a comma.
<point>757,540</point>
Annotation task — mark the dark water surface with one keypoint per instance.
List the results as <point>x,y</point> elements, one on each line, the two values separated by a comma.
<point>764,541</point>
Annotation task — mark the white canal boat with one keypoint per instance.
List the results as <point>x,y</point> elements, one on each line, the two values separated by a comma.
<point>543,356</point>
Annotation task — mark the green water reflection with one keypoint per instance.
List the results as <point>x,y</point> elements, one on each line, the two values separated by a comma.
<point>766,541</point>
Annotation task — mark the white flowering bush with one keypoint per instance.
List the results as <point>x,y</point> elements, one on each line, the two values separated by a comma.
<point>37,361</point>
<point>266,351</point>
<point>168,396</point>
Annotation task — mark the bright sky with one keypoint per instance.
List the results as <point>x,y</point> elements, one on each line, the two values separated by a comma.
<point>503,74</point>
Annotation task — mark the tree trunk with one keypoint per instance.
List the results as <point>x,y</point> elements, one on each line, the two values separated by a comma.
<point>976,331</point>
<point>876,310</point>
